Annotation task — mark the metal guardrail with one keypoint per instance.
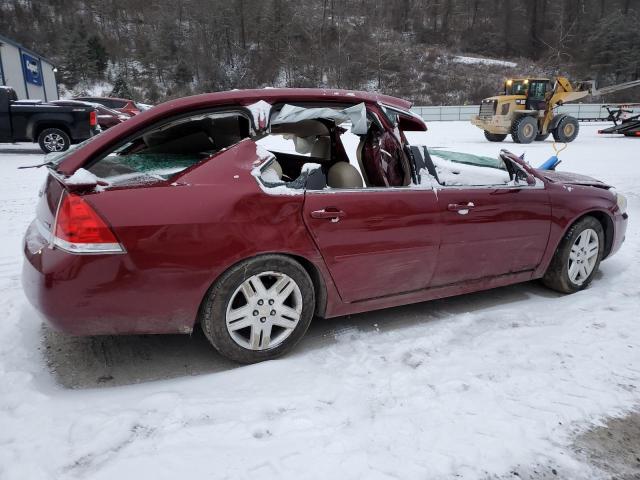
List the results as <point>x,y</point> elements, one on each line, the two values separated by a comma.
<point>585,112</point>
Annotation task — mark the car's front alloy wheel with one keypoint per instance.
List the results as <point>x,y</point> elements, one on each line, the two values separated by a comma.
<point>577,258</point>
<point>583,256</point>
<point>258,309</point>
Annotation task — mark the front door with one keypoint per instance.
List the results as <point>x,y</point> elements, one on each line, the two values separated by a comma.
<point>491,231</point>
<point>375,241</point>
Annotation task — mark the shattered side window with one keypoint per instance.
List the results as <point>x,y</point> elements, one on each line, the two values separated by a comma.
<point>306,142</point>
<point>161,153</point>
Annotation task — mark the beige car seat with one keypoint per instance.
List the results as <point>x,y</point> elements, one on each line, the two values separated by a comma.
<point>273,172</point>
<point>344,175</point>
<point>322,147</point>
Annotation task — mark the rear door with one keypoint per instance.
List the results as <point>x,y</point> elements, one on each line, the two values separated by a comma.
<point>375,241</point>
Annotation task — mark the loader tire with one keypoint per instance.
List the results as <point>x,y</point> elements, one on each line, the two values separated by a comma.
<point>494,137</point>
<point>567,130</point>
<point>524,130</point>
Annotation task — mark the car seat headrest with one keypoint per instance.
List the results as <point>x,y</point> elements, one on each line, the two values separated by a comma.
<point>344,175</point>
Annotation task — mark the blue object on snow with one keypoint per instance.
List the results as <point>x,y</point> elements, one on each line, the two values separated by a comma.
<point>550,164</point>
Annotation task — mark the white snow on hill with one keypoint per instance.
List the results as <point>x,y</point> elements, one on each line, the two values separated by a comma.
<point>483,61</point>
<point>84,89</point>
<point>469,387</point>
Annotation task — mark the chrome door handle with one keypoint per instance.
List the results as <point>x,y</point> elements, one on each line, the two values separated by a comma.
<point>329,213</point>
<point>462,209</point>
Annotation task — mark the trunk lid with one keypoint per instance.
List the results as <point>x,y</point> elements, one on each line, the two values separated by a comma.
<point>49,199</point>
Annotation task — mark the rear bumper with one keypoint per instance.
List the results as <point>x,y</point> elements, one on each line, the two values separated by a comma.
<point>102,294</point>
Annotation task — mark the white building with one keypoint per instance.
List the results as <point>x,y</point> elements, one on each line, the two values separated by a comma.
<point>29,74</point>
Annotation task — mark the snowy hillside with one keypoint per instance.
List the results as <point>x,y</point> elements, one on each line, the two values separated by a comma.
<point>483,61</point>
<point>472,387</point>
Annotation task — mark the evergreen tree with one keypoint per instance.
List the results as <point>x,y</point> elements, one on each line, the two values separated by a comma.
<point>613,49</point>
<point>182,76</point>
<point>96,57</point>
<point>121,88</point>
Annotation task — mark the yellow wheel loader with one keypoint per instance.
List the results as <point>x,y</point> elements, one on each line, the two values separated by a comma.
<point>525,109</point>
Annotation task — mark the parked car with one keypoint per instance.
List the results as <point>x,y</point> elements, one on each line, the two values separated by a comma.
<point>53,127</point>
<point>250,212</point>
<point>123,105</point>
<point>143,106</point>
<point>107,117</point>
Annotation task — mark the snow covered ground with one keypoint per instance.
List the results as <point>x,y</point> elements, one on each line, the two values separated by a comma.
<point>479,386</point>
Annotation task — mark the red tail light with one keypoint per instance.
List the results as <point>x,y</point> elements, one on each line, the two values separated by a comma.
<point>93,118</point>
<point>79,229</point>
<point>637,134</point>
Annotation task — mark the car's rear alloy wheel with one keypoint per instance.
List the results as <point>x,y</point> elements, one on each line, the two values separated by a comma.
<point>264,310</point>
<point>259,309</point>
<point>577,258</point>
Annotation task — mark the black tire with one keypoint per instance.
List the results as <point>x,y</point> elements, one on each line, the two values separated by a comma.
<point>495,137</point>
<point>567,130</point>
<point>541,138</point>
<point>524,130</point>
<point>557,275</point>
<point>53,140</point>
<point>214,307</point>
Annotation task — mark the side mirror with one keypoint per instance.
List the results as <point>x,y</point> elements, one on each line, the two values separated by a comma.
<point>517,172</point>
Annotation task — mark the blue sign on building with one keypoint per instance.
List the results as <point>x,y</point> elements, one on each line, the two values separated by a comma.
<point>31,66</point>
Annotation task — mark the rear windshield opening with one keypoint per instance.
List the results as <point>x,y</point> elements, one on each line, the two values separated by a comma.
<point>161,153</point>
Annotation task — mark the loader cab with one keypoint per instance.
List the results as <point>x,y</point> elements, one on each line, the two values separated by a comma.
<point>537,94</point>
<point>516,86</point>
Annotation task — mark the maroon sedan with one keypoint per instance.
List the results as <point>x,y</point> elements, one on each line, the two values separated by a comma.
<point>123,105</point>
<point>250,212</point>
<point>107,117</point>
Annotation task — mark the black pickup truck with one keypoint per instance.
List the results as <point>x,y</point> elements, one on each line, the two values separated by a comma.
<point>54,127</point>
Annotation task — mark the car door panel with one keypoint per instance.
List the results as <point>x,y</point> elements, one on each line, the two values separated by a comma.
<point>377,242</point>
<point>505,230</point>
